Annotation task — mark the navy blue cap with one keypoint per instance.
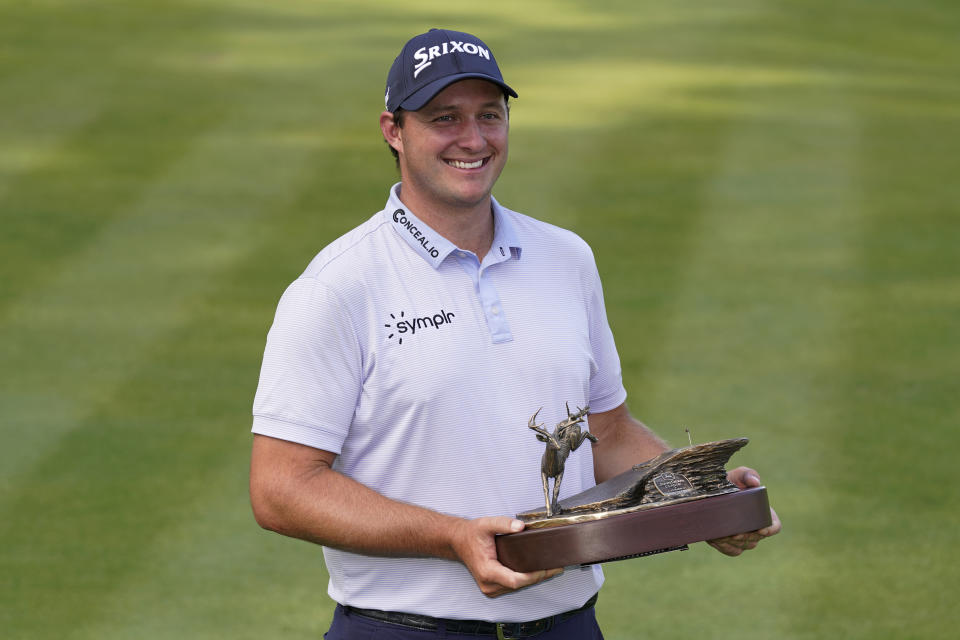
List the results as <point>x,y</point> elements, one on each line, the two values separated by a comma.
<point>431,61</point>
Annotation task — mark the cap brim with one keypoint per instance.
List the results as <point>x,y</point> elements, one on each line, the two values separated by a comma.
<point>425,94</point>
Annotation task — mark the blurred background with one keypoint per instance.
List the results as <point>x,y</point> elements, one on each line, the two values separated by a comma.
<point>771,192</point>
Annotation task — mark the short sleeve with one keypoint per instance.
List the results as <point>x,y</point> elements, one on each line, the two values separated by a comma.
<point>311,375</point>
<point>606,382</point>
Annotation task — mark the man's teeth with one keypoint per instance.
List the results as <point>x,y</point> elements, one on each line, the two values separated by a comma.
<point>466,165</point>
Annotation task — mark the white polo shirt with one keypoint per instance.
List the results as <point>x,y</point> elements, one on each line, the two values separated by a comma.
<point>420,367</point>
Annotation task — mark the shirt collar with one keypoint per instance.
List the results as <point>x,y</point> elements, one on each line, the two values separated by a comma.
<point>506,244</point>
<point>433,247</point>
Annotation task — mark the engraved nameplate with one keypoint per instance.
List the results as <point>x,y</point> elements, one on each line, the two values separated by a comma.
<point>671,484</point>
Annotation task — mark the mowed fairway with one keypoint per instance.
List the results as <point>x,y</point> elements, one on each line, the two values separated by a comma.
<point>771,190</point>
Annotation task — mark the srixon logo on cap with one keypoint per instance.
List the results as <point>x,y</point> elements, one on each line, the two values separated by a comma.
<point>424,55</point>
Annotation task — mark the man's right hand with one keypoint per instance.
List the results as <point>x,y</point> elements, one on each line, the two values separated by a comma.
<point>474,545</point>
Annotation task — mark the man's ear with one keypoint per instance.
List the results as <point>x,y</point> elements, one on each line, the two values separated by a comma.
<point>392,132</point>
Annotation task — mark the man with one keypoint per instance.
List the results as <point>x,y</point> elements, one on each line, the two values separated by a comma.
<point>390,418</point>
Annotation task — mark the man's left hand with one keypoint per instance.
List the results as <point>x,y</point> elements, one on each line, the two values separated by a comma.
<point>745,478</point>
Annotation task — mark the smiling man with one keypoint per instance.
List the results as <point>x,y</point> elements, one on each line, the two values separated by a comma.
<point>390,419</point>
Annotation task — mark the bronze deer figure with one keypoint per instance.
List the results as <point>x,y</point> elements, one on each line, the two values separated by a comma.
<point>566,437</point>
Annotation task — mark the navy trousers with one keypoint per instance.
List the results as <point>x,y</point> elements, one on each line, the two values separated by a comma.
<point>582,626</point>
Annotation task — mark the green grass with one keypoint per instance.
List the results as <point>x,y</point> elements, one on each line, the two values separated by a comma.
<point>771,191</point>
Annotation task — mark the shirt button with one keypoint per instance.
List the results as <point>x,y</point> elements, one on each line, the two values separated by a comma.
<point>461,254</point>
<point>495,310</point>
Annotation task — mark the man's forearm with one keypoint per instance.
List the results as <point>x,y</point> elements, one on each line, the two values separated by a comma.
<point>303,497</point>
<point>295,492</point>
<point>623,441</point>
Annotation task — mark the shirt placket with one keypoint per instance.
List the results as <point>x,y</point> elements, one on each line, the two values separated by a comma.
<point>487,294</point>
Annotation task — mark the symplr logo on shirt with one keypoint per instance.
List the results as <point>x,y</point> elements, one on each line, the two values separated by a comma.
<point>401,326</point>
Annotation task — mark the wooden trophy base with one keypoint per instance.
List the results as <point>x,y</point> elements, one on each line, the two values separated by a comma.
<point>637,533</point>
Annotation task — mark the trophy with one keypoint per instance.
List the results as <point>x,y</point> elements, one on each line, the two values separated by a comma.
<point>664,504</point>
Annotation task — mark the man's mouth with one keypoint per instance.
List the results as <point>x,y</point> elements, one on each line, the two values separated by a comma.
<point>460,164</point>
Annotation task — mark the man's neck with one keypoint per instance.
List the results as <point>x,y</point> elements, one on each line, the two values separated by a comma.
<point>469,228</point>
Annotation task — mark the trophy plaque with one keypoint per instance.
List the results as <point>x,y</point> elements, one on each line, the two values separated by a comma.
<point>680,497</point>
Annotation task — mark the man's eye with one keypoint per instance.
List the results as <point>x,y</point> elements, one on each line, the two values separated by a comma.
<point>443,118</point>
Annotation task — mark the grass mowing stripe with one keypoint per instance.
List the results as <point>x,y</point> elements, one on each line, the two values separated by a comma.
<point>94,175</point>
<point>752,334</point>
<point>137,463</point>
<point>211,572</point>
<point>136,282</point>
<point>36,122</point>
<point>899,524</point>
<point>146,502</point>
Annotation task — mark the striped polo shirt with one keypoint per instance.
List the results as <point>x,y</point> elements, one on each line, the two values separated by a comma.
<point>420,365</point>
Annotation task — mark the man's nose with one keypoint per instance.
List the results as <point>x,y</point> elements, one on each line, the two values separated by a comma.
<point>471,136</point>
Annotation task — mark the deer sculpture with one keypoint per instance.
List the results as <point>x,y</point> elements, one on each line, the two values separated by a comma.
<point>566,437</point>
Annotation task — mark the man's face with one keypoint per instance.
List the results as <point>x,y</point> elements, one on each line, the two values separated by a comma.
<point>454,148</point>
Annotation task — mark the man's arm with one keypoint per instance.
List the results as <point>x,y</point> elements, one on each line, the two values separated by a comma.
<point>295,492</point>
<point>625,441</point>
